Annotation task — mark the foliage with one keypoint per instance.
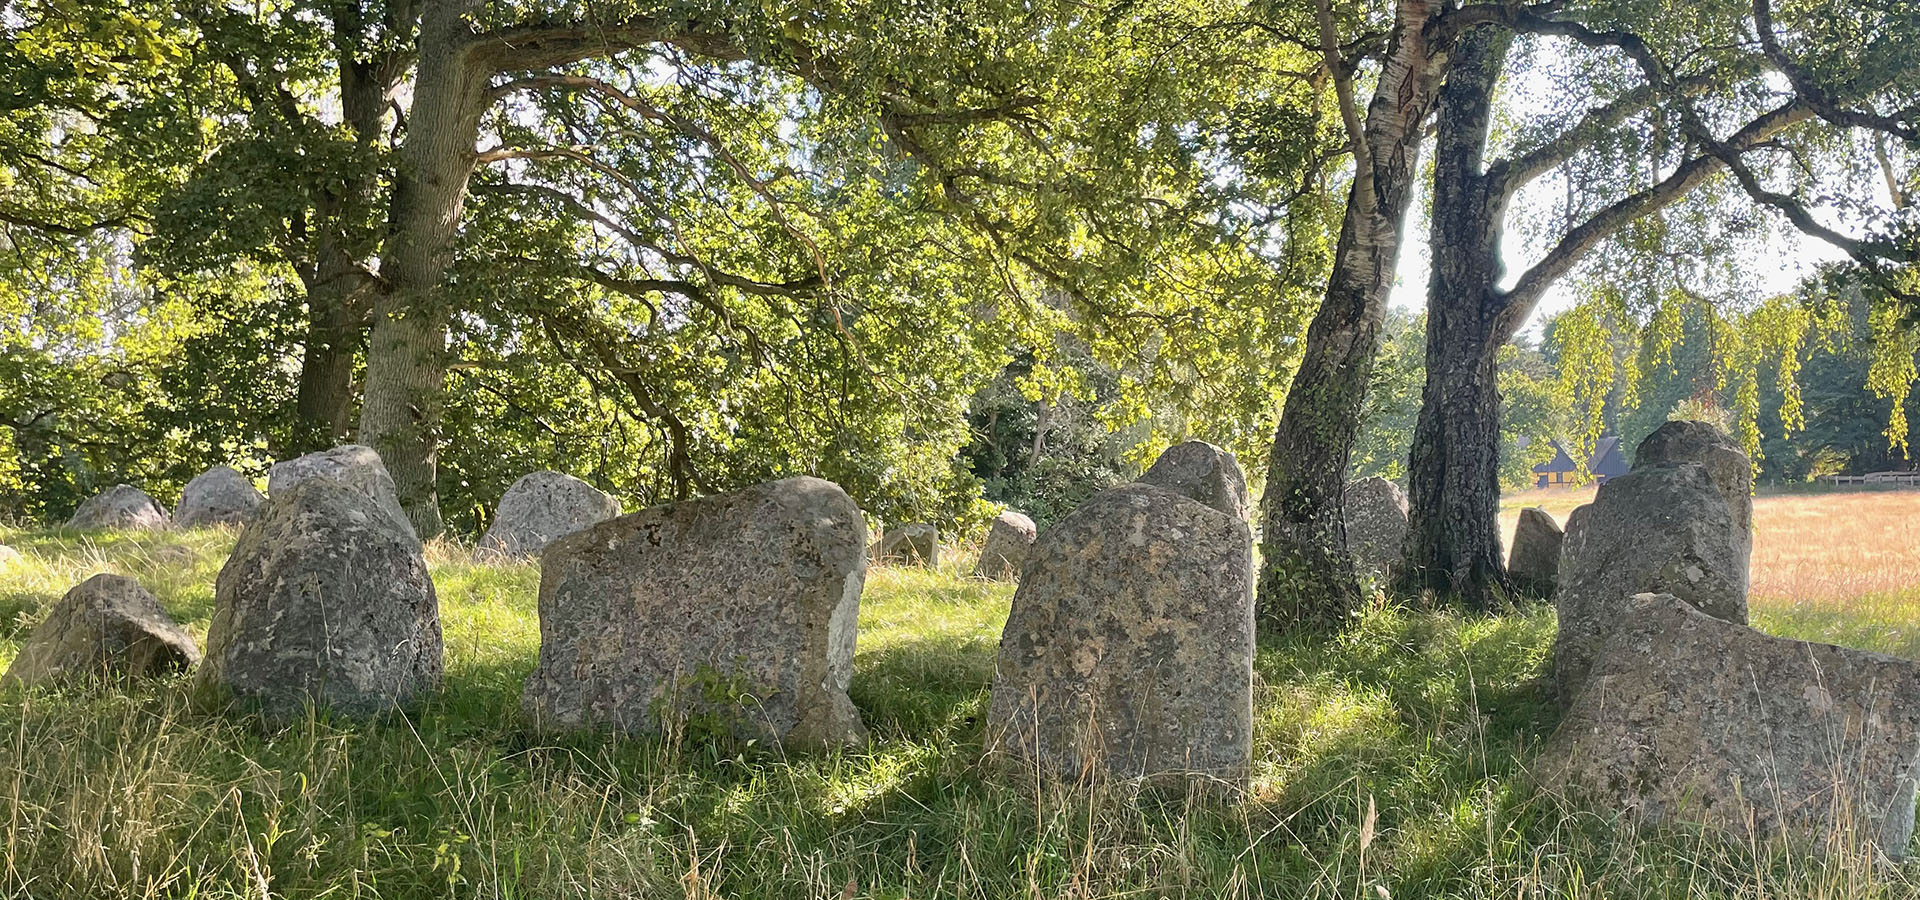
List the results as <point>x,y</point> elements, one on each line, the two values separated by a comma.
<point>1810,383</point>
<point>680,272</point>
<point>1077,456</point>
<point>1533,413</point>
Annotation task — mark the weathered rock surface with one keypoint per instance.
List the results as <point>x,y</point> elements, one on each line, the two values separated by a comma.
<point>106,626</point>
<point>327,599</point>
<point>542,506</point>
<point>1662,529</point>
<point>353,465</point>
<point>1202,472</point>
<point>1534,561</point>
<point>1684,441</point>
<point>735,611</point>
<point>914,544</point>
<point>8,554</point>
<point>1005,551</point>
<point>1376,514</point>
<point>1129,651</point>
<point>122,506</point>
<point>1688,718</point>
<point>218,496</point>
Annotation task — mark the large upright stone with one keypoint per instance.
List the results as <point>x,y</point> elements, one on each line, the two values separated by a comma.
<point>1203,472</point>
<point>541,507</point>
<point>353,465</point>
<point>122,506</point>
<point>1534,561</point>
<point>1661,529</point>
<point>1687,441</point>
<point>105,626</point>
<point>913,544</point>
<point>1376,514</point>
<point>1688,718</point>
<point>1129,651</point>
<point>1005,551</point>
<point>218,496</point>
<point>735,611</point>
<point>325,599</point>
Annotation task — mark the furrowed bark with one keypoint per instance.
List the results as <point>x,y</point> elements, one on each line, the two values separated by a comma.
<point>339,285</point>
<point>1453,543</point>
<point>407,350</point>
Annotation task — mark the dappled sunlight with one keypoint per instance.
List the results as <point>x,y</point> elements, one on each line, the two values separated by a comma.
<point>1426,718</point>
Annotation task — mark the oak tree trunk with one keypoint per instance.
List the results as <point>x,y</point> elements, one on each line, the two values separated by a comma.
<point>338,286</point>
<point>400,414</point>
<point>325,399</point>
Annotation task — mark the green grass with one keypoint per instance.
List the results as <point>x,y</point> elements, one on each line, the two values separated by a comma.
<point>1426,718</point>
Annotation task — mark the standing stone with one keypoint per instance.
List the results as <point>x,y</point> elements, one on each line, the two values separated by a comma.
<point>1688,718</point>
<point>1129,651</point>
<point>218,496</point>
<point>1686,441</point>
<point>325,599</point>
<point>1376,513</point>
<point>1203,472</point>
<point>735,611</point>
<point>1662,529</point>
<point>1008,540</point>
<point>542,506</point>
<point>122,506</point>
<point>108,626</point>
<point>350,464</point>
<point>1534,562</point>
<point>8,555</point>
<point>916,544</point>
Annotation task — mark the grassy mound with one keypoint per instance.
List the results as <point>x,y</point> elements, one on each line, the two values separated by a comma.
<point>1389,764</point>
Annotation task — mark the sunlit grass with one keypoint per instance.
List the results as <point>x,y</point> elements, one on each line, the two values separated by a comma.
<point>1427,719</point>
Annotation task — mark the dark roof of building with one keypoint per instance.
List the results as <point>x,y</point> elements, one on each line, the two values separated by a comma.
<point>1606,460</point>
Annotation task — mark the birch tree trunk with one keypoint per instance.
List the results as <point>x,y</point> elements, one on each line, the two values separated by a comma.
<point>1453,541</point>
<point>1307,577</point>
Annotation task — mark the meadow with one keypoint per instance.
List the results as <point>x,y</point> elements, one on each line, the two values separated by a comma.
<point>1390,762</point>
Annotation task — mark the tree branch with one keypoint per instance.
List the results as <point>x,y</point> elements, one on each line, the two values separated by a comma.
<point>1816,96</point>
<point>1533,283</point>
<point>1597,122</point>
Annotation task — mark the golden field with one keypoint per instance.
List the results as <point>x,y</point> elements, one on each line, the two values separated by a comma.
<point>1838,566</point>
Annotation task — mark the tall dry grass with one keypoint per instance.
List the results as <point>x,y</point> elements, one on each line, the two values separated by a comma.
<point>1389,763</point>
<point>1839,567</point>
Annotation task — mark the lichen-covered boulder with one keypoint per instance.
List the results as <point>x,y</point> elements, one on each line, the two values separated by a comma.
<point>218,496</point>
<point>914,544</point>
<point>353,465</point>
<point>542,506</point>
<point>106,626</point>
<point>1534,561</point>
<point>1005,551</point>
<point>324,600</point>
<point>1686,441</point>
<point>734,612</point>
<point>122,506</point>
<point>1687,718</point>
<point>1661,529</point>
<point>1202,472</point>
<point>1376,516</point>
<point>1129,650</point>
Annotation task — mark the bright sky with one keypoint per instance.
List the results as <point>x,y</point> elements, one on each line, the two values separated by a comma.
<point>1775,268</point>
<point>1789,257</point>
